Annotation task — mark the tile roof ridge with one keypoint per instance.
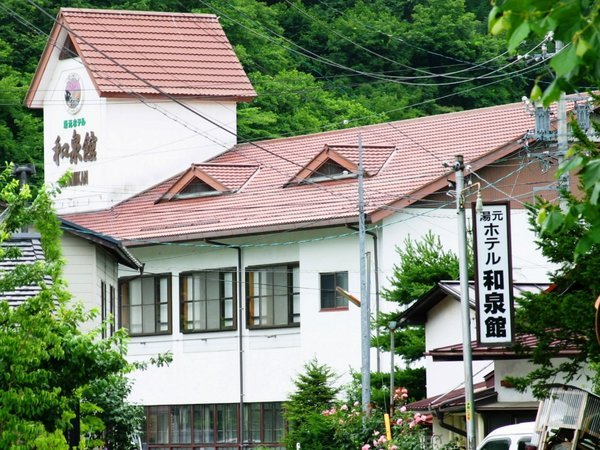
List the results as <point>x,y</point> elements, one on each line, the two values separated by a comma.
<point>135,13</point>
<point>216,164</point>
<point>378,125</point>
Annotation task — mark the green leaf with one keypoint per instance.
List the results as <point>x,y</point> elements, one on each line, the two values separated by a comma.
<point>551,94</point>
<point>493,17</point>
<point>573,163</point>
<point>590,174</point>
<point>553,222</point>
<point>595,194</point>
<point>536,92</point>
<point>499,26</point>
<point>517,36</point>
<point>565,61</point>
<point>582,47</point>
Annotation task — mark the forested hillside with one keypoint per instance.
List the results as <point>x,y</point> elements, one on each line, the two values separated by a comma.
<point>316,64</point>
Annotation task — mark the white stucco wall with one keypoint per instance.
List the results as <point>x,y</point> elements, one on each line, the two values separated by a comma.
<point>140,141</point>
<point>88,265</point>
<point>521,367</point>
<point>444,327</point>
<point>206,365</point>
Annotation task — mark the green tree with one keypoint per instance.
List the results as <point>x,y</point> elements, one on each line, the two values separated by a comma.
<point>422,264</point>
<point>314,394</point>
<point>576,23</point>
<point>292,102</point>
<point>563,318</point>
<point>49,366</point>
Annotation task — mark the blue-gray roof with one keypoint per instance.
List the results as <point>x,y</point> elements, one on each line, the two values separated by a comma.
<point>30,249</point>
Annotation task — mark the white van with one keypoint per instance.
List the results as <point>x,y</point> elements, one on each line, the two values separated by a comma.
<point>510,437</point>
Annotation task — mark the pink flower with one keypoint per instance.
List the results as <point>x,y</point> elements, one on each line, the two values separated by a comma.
<point>344,407</point>
<point>404,396</point>
<point>393,447</point>
<point>404,391</point>
<point>399,422</point>
<point>403,409</point>
<point>365,447</point>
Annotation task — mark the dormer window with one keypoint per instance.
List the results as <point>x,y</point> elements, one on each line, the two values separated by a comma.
<point>330,170</point>
<point>205,180</point>
<point>338,162</point>
<point>196,188</point>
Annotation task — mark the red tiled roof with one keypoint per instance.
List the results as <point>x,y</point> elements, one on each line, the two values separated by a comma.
<point>134,52</point>
<point>266,204</point>
<point>482,352</point>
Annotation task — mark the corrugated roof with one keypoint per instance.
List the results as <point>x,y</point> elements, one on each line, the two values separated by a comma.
<point>147,53</point>
<point>30,251</point>
<point>455,399</point>
<point>265,204</point>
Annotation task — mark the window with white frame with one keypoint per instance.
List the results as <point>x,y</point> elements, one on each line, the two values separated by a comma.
<point>145,304</point>
<point>208,300</point>
<point>273,296</point>
<point>330,298</point>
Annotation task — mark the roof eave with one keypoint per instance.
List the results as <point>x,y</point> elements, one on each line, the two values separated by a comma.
<point>235,233</point>
<point>111,244</point>
<point>442,181</point>
<point>31,99</point>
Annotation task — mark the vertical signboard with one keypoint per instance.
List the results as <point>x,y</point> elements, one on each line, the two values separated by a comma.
<point>493,274</point>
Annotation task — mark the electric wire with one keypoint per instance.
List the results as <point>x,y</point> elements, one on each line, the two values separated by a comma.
<point>71,31</point>
<point>314,56</point>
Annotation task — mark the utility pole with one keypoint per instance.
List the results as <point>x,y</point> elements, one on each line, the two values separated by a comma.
<point>562,137</point>
<point>458,167</point>
<point>365,304</point>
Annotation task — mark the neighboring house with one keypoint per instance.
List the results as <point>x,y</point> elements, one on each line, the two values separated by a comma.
<point>92,270</point>
<point>242,246</point>
<point>496,402</point>
<point>30,251</point>
<point>91,273</point>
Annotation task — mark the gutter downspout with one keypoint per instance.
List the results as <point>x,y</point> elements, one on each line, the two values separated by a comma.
<point>240,323</point>
<point>446,426</point>
<point>376,270</point>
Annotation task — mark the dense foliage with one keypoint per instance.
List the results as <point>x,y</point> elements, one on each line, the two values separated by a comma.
<point>315,392</point>
<point>321,421</point>
<point>54,376</point>
<point>563,318</point>
<point>575,23</point>
<point>316,64</point>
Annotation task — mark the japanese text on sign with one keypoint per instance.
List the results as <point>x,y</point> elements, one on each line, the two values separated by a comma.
<point>75,151</point>
<point>493,274</point>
